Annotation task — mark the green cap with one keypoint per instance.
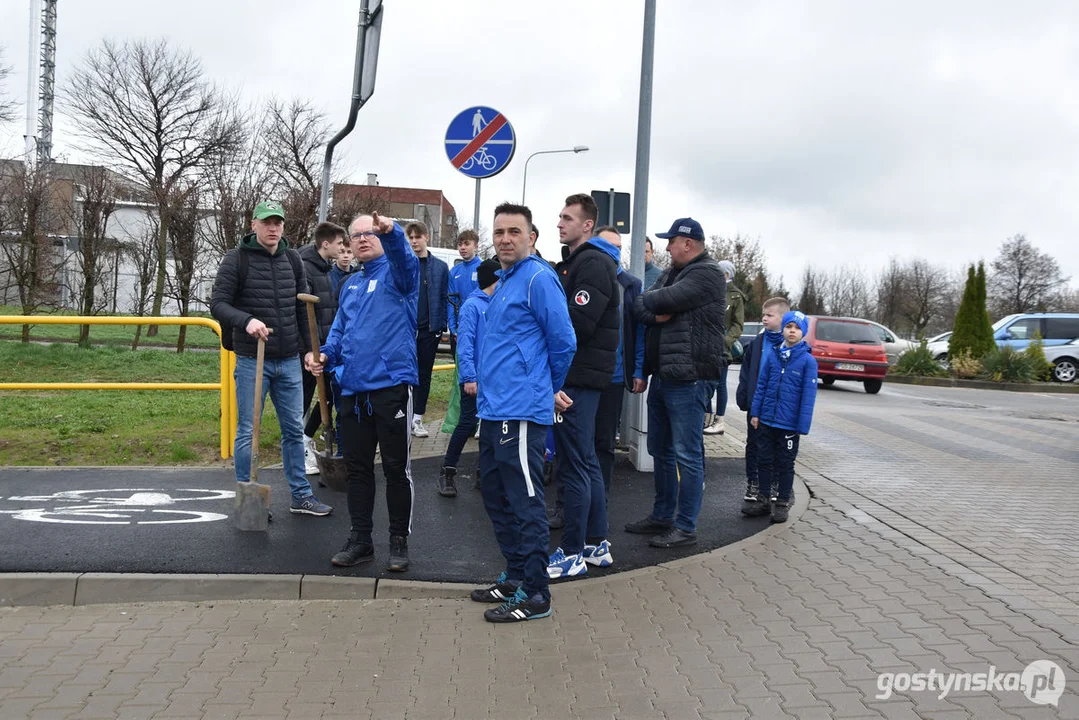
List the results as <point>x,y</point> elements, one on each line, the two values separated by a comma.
<point>267,209</point>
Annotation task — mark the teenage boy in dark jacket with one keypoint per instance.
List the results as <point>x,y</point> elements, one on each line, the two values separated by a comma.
<point>318,262</point>
<point>253,303</point>
<point>782,410</point>
<point>771,317</point>
<point>589,279</point>
<point>430,317</point>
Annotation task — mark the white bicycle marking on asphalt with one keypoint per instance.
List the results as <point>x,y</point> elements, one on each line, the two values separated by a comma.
<point>119,506</point>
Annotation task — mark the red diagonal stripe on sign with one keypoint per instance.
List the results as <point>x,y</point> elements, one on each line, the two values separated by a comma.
<point>479,141</point>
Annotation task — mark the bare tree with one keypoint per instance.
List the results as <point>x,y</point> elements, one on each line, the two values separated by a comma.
<point>95,202</point>
<point>233,182</point>
<point>1069,300</point>
<point>184,245</point>
<point>1023,278</point>
<point>28,216</point>
<point>846,293</point>
<point>811,300</point>
<point>889,291</point>
<point>146,106</point>
<point>750,268</point>
<point>925,289</point>
<point>7,106</point>
<point>143,251</point>
<point>295,134</point>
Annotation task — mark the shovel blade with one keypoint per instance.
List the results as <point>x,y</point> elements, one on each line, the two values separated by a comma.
<point>333,471</point>
<point>251,511</point>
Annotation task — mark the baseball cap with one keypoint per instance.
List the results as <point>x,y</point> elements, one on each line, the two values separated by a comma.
<point>268,208</point>
<point>686,227</point>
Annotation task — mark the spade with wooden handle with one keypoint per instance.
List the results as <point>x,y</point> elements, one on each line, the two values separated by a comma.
<point>333,469</point>
<point>251,510</point>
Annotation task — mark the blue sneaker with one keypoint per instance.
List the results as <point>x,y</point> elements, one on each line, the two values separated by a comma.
<point>309,505</point>
<point>598,555</point>
<point>562,565</point>
<point>518,608</point>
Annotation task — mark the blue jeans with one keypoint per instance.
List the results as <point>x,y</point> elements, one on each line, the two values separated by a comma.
<point>721,394</point>
<point>675,417</point>
<point>281,378</point>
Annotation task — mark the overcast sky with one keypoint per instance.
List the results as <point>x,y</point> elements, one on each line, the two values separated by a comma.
<point>838,132</point>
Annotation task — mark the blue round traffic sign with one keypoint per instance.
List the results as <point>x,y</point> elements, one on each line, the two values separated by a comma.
<point>480,142</point>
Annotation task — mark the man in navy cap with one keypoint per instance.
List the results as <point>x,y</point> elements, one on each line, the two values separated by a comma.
<point>684,352</point>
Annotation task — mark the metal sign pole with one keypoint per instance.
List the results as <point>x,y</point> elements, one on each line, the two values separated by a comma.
<point>610,207</point>
<point>476,211</point>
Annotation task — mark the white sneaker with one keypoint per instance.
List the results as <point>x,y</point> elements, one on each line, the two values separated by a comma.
<point>716,428</point>
<point>477,435</point>
<point>418,430</point>
<point>310,464</point>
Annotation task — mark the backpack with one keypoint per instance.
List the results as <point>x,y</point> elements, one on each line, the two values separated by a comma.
<point>241,279</point>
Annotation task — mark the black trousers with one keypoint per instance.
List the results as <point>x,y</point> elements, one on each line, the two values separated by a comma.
<point>607,417</point>
<point>777,450</point>
<point>426,348</point>
<point>314,415</point>
<point>379,419</point>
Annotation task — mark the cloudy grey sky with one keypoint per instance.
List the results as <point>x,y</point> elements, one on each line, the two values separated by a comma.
<point>838,132</point>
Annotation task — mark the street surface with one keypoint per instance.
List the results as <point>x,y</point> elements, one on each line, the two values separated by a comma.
<point>941,537</point>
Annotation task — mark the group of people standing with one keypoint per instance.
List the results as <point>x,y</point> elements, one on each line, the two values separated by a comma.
<point>539,348</point>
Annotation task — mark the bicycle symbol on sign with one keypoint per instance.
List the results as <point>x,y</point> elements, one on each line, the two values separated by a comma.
<point>485,161</point>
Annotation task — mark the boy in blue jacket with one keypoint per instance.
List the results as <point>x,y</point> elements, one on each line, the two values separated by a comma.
<point>470,329</point>
<point>523,364</point>
<point>771,317</point>
<point>782,410</point>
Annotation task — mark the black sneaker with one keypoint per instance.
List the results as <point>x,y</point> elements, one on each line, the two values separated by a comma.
<point>501,591</point>
<point>780,511</point>
<point>518,608</point>
<point>446,485</point>
<point>675,537</point>
<point>751,492</point>
<point>398,553</point>
<point>760,506</point>
<point>648,526</point>
<point>556,519</point>
<point>357,549</point>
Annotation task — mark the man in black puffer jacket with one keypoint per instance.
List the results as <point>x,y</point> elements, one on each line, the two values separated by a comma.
<point>589,279</point>
<point>684,351</point>
<point>318,259</point>
<point>251,297</point>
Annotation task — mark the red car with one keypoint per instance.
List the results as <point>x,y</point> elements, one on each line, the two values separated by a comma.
<point>847,349</point>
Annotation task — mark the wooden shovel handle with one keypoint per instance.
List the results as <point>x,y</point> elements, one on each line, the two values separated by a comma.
<point>320,381</point>
<point>260,361</point>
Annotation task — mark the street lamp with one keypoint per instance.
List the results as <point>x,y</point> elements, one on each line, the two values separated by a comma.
<point>575,149</point>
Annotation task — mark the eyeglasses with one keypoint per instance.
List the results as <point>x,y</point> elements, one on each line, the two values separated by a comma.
<point>367,234</point>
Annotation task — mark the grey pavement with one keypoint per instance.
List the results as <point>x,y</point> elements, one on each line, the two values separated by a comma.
<point>940,536</point>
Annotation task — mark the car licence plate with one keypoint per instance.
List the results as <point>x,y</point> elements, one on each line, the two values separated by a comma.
<point>852,367</point>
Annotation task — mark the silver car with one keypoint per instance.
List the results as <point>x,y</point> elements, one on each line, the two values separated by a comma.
<point>1064,359</point>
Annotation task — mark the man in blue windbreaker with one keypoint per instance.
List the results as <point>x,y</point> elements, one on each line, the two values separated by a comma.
<point>523,361</point>
<point>371,350</point>
<point>782,409</point>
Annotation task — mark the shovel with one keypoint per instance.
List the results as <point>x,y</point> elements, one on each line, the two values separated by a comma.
<point>251,510</point>
<point>332,470</point>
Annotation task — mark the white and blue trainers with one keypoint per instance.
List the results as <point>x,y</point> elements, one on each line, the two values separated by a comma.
<point>598,555</point>
<point>561,565</point>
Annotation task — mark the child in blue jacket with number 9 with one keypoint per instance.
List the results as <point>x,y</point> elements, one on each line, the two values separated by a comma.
<point>782,410</point>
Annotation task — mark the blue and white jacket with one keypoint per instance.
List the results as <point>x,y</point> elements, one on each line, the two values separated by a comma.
<point>470,328</point>
<point>786,389</point>
<point>372,342</point>
<point>463,280</point>
<point>527,351</point>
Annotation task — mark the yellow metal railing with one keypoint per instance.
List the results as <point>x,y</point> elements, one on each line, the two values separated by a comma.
<point>225,386</point>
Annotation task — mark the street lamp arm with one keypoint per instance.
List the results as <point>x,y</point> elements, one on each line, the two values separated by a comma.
<point>575,149</point>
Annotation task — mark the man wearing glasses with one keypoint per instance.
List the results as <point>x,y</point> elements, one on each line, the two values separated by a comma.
<point>371,349</point>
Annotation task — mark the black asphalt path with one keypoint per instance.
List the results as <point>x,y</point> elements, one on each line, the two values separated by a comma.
<point>124,520</point>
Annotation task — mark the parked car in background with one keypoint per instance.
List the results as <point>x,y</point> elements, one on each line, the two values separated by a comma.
<point>1054,328</point>
<point>848,349</point>
<point>894,345</point>
<point>749,331</point>
<point>938,346</point>
<point>1065,360</point>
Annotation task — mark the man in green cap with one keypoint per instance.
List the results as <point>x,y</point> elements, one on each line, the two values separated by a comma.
<point>254,294</point>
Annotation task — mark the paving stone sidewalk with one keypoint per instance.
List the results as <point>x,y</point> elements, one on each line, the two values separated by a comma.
<point>798,621</point>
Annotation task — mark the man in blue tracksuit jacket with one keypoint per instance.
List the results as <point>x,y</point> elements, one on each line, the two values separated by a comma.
<point>782,409</point>
<point>371,349</point>
<point>524,357</point>
<point>771,317</point>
